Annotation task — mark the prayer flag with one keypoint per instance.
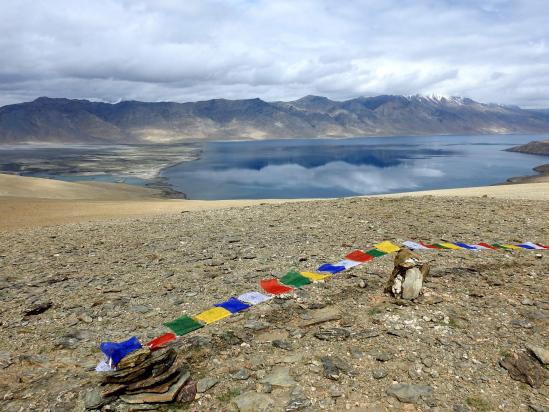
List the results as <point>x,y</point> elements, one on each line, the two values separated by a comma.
<point>315,276</point>
<point>295,279</point>
<point>449,245</point>
<point>328,267</point>
<point>413,245</point>
<point>254,298</point>
<point>543,246</point>
<point>116,351</point>
<point>359,256</point>
<point>431,246</point>
<point>487,246</point>
<point>375,253</point>
<point>530,245</point>
<point>212,315</point>
<point>498,246</point>
<point>274,287</point>
<point>233,305</point>
<point>347,264</point>
<point>159,342</point>
<point>510,246</point>
<point>387,247</point>
<point>183,325</point>
<point>465,246</point>
<point>440,246</point>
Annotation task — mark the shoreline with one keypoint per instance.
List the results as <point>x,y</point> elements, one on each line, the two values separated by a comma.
<point>541,176</point>
<point>32,202</point>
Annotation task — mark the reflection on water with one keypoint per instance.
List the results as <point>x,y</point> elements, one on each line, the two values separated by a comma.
<point>333,168</point>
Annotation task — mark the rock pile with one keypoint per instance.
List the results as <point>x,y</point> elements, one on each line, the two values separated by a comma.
<point>144,377</point>
<point>408,274</point>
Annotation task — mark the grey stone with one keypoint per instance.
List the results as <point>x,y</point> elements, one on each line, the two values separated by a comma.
<point>282,344</point>
<point>335,391</point>
<point>523,368</point>
<point>409,393</point>
<point>334,367</point>
<point>334,334</point>
<point>254,402</point>
<point>381,356</point>
<point>541,353</point>
<point>256,325</point>
<point>379,373</point>
<point>279,376</point>
<point>140,309</point>
<point>37,308</point>
<point>5,360</point>
<point>206,383</point>
<point>240,374</point>
<point>94,400</point>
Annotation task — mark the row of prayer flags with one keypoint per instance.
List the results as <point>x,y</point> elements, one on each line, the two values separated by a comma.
<point>291,280</point>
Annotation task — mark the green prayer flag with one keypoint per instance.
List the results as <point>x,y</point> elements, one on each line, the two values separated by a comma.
<point>375,252</point>
<point>295,279</point>
<point>440,246</point>
<point>500,246</point>
<point>183,325</point>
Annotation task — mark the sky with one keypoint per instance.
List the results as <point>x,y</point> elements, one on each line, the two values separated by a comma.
<point>172,50</point>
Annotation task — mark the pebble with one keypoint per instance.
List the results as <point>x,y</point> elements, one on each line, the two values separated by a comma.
<point>409,393</point>
<point>240,374</point>
<point>254,402</point>
<point>379,373</point>
<point>279,376</point>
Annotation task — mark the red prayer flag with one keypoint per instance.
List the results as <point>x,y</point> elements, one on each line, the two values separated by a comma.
<point>486,245</point>
<point>430,246</point>
<point>157,343</point>
<point>358,256</point>
<point>274,287</point>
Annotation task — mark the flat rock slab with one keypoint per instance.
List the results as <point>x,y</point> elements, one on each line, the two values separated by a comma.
<point>523,368</point>
<point>163,357</point>
<point>206,383</point>
<point>334,367</point>
<point>254,402</point>
<point>409,393</point>
<point>541,353</point>
<point>322,315</point>
<point>334,334</point>
<point>148,397</point>
<point>279,376</point>
<point>134,358</point>
<point>173,370</point>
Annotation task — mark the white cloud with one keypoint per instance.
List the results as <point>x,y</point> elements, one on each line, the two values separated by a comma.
<point>281,49</point>
<point>338,175</point>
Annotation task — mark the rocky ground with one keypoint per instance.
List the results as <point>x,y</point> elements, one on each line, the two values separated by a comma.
<point>65,289</point>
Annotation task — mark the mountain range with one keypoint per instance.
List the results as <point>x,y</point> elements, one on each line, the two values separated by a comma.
<point>59,120</point>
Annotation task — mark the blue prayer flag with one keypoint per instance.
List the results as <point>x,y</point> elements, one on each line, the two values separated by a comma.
<point>233,305</point>
<point>522,245</point>
<point>465,245</point>
<point>116,351</point>
<point>328,267</point>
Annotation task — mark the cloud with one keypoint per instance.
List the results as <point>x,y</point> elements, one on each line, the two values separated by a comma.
<point>494,51</point>
<point>332,176</point>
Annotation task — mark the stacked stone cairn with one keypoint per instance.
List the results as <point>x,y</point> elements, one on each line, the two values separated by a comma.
<point>144,377</point>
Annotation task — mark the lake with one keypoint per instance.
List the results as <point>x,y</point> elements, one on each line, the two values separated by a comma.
<point>318,168</point>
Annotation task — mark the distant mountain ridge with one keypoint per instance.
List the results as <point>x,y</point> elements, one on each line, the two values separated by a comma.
<point>58,120</point>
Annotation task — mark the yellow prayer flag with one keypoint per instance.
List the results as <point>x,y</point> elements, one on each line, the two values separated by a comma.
<point>387,247</point>
<point>511,246</point>
<point>314,276</point>
<point>450,246</point>
<point>212,315</point>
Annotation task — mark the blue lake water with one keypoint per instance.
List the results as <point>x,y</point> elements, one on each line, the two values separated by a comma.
<point>317,168</point>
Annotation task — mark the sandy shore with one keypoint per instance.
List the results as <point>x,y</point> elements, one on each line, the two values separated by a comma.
<point>31,202</point>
